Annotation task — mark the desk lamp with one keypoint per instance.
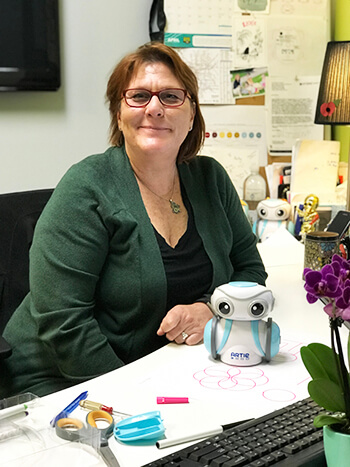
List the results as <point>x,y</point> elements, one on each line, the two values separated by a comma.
<point>333,103</point>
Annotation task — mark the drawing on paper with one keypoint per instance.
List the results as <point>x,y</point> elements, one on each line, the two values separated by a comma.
<point>222,377</point>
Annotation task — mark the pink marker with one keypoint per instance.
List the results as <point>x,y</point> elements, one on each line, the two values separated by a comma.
<point>172,400</point>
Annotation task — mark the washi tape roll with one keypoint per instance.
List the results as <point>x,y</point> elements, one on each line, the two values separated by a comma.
<point>70,429</point>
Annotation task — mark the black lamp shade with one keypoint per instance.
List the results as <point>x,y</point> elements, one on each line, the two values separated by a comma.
<point>333,104</point>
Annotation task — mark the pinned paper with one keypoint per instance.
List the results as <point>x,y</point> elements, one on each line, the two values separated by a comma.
<point>315,170</point>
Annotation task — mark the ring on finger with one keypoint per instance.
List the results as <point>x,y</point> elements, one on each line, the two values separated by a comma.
<point>184,335</point>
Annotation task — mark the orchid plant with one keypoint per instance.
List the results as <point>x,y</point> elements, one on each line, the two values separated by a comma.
<point>330,384</point>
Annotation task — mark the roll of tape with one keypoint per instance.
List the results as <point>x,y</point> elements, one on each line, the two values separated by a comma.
<point>98,415</point>
<point>101,415</point>
<point>70,429</point>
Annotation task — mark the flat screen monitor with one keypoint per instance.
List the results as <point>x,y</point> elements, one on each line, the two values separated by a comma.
<point>29,45</point>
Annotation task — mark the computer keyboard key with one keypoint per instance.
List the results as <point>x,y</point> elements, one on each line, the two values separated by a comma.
<point>280,441</point>
<point>195,456</point>
<point>235,453</point>
<point>291,448</point>
<point>261,450</point>
<point>182,463</point>
<point>209,457</point>
<point>258,463</point>
<point>269,459</point>
<point>254,444</point>
<point>236,462</point>
<point>290,437</point>
<point>278,455</point>
<point>251,455</point>
<point>270,446</point>
<point>220,461</point>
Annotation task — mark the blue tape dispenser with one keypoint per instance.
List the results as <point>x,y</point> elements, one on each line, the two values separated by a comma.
<point>147,426</point>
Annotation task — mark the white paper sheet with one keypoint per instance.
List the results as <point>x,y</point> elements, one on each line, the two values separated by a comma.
<point>296,44</point>
<point>249,41</point>
<point>315,170</point>
<point>291,103</point>
<point>198,16</point>
<point>236,137</point>
<point>282,381</point>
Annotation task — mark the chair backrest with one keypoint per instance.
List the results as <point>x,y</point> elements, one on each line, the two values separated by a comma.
<point>19,213</point>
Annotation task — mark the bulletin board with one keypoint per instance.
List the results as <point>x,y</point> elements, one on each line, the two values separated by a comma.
<point>258,64</point>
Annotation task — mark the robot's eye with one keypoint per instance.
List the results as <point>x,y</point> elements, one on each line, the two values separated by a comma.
<point>280,213</point>
<point>263,212</point>
<point>224,308</point>
<point>257,309</point>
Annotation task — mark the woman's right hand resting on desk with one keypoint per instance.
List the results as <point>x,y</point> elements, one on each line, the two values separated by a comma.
<point>185,320</point>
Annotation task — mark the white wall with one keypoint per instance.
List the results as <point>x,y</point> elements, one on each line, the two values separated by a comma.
<point>43,133</point>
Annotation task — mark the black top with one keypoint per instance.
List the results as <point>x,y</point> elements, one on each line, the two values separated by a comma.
<point>188,268</point>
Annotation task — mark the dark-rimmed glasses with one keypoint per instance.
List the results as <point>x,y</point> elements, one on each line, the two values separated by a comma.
<point>172,97</point>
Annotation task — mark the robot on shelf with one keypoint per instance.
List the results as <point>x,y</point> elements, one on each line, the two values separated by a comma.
<point>273,214</point>
<point>237,334</point>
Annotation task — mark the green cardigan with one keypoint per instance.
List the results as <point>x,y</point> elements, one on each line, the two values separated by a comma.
<point>97,281</point>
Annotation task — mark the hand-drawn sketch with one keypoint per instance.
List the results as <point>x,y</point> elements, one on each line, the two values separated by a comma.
<point>248,42</point>
<point>236,158</point>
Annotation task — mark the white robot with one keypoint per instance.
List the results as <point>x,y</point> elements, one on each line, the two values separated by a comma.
<point>272,215</point>
<point>237,334</point>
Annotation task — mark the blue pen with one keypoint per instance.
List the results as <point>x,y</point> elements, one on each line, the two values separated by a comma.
<point>69,409</point>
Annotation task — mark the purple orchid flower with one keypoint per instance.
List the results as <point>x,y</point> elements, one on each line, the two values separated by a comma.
<point>332,282</point>
<point>343,303</point>
<point>341,267</point>
<point>321,284</point>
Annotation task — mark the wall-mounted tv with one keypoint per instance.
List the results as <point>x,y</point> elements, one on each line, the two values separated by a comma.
<point>29,45</point>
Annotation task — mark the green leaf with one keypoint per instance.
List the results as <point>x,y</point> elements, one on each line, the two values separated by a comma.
<point>324,419</point>
<point>327,394</point>
<point>320,361</point>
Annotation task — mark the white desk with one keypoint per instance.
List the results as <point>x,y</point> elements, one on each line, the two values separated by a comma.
<point>179,370</point>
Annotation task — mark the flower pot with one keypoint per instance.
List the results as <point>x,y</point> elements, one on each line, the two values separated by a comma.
<point>336,447</point>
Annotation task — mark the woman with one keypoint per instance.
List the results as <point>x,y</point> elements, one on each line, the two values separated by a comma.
<point>133,241</point>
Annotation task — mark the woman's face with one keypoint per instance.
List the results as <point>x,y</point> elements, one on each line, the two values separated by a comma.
<point>154,129</point>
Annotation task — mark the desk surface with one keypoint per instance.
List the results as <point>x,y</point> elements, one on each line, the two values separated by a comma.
<point>218,393</point>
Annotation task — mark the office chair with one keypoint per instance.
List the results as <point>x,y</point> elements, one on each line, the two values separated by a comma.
<point>19,213</point>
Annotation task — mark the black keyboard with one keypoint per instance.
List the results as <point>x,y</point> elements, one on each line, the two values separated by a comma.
<point>285,437</point>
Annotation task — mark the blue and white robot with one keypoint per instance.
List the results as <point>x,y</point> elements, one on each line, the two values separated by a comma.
<point>273,214</point>
<point>237,334</point>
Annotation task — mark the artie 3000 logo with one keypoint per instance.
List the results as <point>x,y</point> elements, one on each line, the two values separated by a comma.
<point>239,356</point>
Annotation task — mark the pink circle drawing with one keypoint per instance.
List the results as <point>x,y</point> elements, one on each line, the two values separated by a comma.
<point>234,378</point>
<point>279,395</point>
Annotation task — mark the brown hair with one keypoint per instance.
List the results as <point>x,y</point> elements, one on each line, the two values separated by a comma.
<point>155,52</point>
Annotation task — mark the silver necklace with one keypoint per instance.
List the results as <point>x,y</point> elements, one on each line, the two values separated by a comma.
<point>175,208</point>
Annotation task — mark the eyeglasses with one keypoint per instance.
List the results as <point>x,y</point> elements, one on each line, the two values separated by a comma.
<point>173,97</point>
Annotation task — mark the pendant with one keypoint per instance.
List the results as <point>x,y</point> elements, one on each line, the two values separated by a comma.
<point>174,207</point>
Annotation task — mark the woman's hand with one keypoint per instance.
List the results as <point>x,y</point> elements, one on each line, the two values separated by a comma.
<point>185,323</point>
